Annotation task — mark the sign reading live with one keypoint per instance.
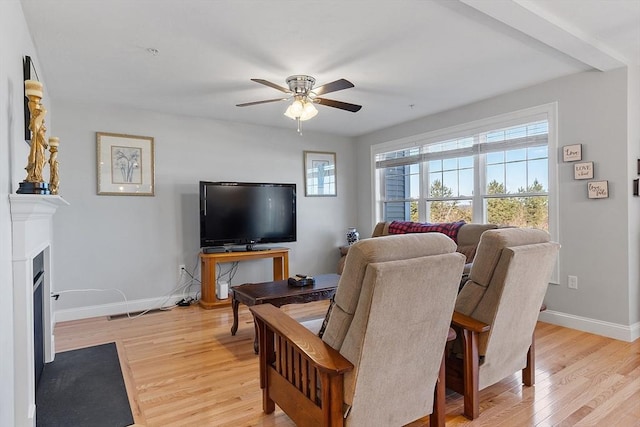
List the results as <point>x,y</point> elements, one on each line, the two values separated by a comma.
<point>598,189</point>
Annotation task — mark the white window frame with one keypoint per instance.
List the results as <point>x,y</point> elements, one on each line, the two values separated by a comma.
<point>548,112</point>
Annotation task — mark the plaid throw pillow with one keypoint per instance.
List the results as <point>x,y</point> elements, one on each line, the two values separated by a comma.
<point>447,228</point>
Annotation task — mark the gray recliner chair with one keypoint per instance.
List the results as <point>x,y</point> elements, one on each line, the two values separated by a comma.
<point>497,310</point>
<point>381,354</point>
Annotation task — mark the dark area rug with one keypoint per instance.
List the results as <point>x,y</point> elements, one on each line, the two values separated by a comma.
<point>83,388</point>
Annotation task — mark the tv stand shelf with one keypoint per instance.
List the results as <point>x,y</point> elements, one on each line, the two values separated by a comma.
<point>208,265</point>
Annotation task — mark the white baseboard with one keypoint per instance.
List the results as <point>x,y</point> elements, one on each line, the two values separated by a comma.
<point>117,308</point>
<point>598,327</point>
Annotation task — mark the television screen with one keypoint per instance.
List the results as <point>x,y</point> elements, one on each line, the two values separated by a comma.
<point>242,213</point>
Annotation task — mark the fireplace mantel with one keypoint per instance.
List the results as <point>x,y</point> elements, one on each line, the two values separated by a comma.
<point>32,233</point>
<point>25,207</point>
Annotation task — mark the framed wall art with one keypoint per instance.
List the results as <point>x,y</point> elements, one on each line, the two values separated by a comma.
<point>583,170</point>
<point>598,189</point>
<point>125,165</point>
<point>320,174</point>
<point>572,153</point>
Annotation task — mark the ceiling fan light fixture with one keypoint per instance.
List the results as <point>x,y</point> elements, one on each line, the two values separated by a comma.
<point>297,107</point>
<point>309,111</point>
<point>301,109</point>
<point>302,92</point>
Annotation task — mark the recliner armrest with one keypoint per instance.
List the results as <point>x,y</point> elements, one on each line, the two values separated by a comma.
<point>324,357</point>
<point>469,323</point>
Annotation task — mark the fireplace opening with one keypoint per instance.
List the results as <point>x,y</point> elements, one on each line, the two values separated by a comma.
<point>38,316</point>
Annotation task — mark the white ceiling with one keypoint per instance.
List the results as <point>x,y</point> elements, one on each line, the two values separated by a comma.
<point>407,58</point>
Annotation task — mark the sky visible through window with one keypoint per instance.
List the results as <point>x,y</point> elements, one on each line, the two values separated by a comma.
<point>515,169</point>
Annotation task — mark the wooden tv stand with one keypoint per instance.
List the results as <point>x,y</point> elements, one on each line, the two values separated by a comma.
<point>208,265</point>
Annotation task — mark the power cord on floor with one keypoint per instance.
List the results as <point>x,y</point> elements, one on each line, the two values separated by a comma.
<point>162,305</point>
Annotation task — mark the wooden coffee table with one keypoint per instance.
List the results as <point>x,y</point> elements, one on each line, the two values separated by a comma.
<point>279,293</point>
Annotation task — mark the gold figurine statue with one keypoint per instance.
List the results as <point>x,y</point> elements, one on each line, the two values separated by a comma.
<point>54,178</point>
<point>36,159</point>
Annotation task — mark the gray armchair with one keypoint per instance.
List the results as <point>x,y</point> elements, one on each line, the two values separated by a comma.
<point>381,353</point>
<point>497,310</point>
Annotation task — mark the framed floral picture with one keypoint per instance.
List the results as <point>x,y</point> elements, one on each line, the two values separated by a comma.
<point>125,165</point>
<point>320,178</point>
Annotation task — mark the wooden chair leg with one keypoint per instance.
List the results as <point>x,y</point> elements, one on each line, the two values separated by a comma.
<point>471,375</point>
<point>437,417</point>
<point>529,372</point>
<point>266,357</point>
<point>332,399</point>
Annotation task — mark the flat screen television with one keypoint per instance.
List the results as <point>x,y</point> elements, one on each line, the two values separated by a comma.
<point>246,213</point>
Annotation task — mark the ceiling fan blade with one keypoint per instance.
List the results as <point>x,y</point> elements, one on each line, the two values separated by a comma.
<point>339,104</point>
<point>333,87</point>
<point>273,85</point>
<point>247,104</point>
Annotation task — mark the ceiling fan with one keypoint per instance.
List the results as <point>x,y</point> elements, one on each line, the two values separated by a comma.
<point>304,96</point>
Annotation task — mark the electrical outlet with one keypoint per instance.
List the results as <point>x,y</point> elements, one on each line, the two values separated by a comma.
<point>180,268</point>
<point>573,282</point>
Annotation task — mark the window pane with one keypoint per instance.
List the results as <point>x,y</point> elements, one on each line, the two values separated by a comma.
<point>537,153</point>
<point>435,165</point>
<point>397,154</point>
<point>450,164</point>
<point>394,183</point>
<point>539,128</point>
<point>450,183</point>
<point>465,162</point>
<point>538,176</point>
<point>435,188</point>
<point>414,186</point>
<point>517,132</point>
<point>497,157</point>
<point>516,176</point>
<point>466,182</point>
<point>450,211</point>
<point>495,174</point>
<point>495,136</point>
<point>399,211</point>
<point>401,182</point>
<point>519,211</point>
<point>515,155</point>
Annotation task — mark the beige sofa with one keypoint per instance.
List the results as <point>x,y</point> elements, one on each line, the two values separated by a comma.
<point>467,241</point>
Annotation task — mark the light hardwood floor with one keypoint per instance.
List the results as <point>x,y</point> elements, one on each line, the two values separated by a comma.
<point>183,368</point>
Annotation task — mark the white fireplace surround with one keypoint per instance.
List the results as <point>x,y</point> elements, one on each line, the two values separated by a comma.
<point>32,233</point>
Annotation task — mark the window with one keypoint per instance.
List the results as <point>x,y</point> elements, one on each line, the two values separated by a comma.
<point>493,171</point>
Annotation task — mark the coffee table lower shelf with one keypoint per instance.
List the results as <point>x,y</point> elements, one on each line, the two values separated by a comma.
<point>279,293</point>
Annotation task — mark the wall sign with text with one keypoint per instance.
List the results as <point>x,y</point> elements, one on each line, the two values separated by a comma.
<point>583,170</point>
<point>572,153</point>
<point>598,189</point>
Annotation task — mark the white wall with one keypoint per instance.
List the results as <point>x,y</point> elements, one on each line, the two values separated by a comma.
<point>595,235</point>
<point>633,118</point>
<point>136,243</point>
<point>15,43</point>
